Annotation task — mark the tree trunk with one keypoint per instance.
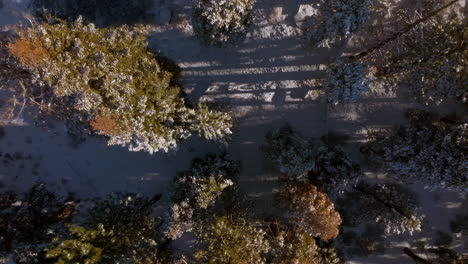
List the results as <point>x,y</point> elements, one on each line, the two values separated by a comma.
<point>402,32</point>
<point>415,257</point>
<point>391,207</point>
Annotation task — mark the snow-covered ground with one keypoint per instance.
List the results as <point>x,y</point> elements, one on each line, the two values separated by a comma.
<point>268,79</point>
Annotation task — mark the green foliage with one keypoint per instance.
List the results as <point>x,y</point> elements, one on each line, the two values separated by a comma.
<point>118,229</point>
<point>231,241</point>
<point>198,190</point>
<point>431,150</point>
<point>109,72</point>
<point>291,152</point>
<point>292,246</point>
<point>392,206</point>
<point>346,81</point>
<point>78,250</point>
<point>27,221</point>
<point>433,61</point>
<point>320,162</point>
<point>221,22</point>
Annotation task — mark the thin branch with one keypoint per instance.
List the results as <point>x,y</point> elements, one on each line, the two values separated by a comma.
<point>407,29</point>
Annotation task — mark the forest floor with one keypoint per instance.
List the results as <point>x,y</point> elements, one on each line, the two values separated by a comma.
<point>268,80</point>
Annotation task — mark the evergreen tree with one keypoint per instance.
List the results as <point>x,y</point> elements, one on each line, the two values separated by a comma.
<point>334,170</point>
<point>433,61</point>
<point>290,152</point>
<point>199,189</point>
<point>389,205</point>
<point>310,210</point>
<point>27,222</point>
<point>220,22</point>
<point>107,78</point>
<point>430,150</point>
<point>336,20</point>
<point>306,160</point>
<point>292,246</point>
<point>346,81</point>
<point>121,228</point>
<point>226,240</point>
<point>78,250</point>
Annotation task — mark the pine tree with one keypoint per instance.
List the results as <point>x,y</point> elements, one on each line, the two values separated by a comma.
<point>199,189</point>
<point>346,81</point>
<point>292,246</point>
<point>334,170</point>
<point>27,222</point>
<point>433,61</point>
<point>336,20</point>
<point>306,160</point>
<point>78,250</point>
<point>389,205</point>
<point>121,228</point>
<point>226,240</point>
<point>430,150</point>
<point>290,152</point>
<point>221,22</point>
<point>108,74</point>
<point>310,210</point>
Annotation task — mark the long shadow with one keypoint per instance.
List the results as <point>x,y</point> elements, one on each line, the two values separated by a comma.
<point>254,67</point>
<point>99,12</point>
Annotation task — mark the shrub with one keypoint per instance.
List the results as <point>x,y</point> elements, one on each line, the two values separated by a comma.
<point>109,72</point>
<point>29,52</point>
<point>220,22</point>
<point>106,124</point>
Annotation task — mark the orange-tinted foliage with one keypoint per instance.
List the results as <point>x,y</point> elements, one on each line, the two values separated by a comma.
<point>106,125</point>
<point>29,52</point>
<point>312,210</point>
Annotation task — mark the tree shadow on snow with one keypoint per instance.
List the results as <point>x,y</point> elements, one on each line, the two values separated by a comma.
<point>99,12</point>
